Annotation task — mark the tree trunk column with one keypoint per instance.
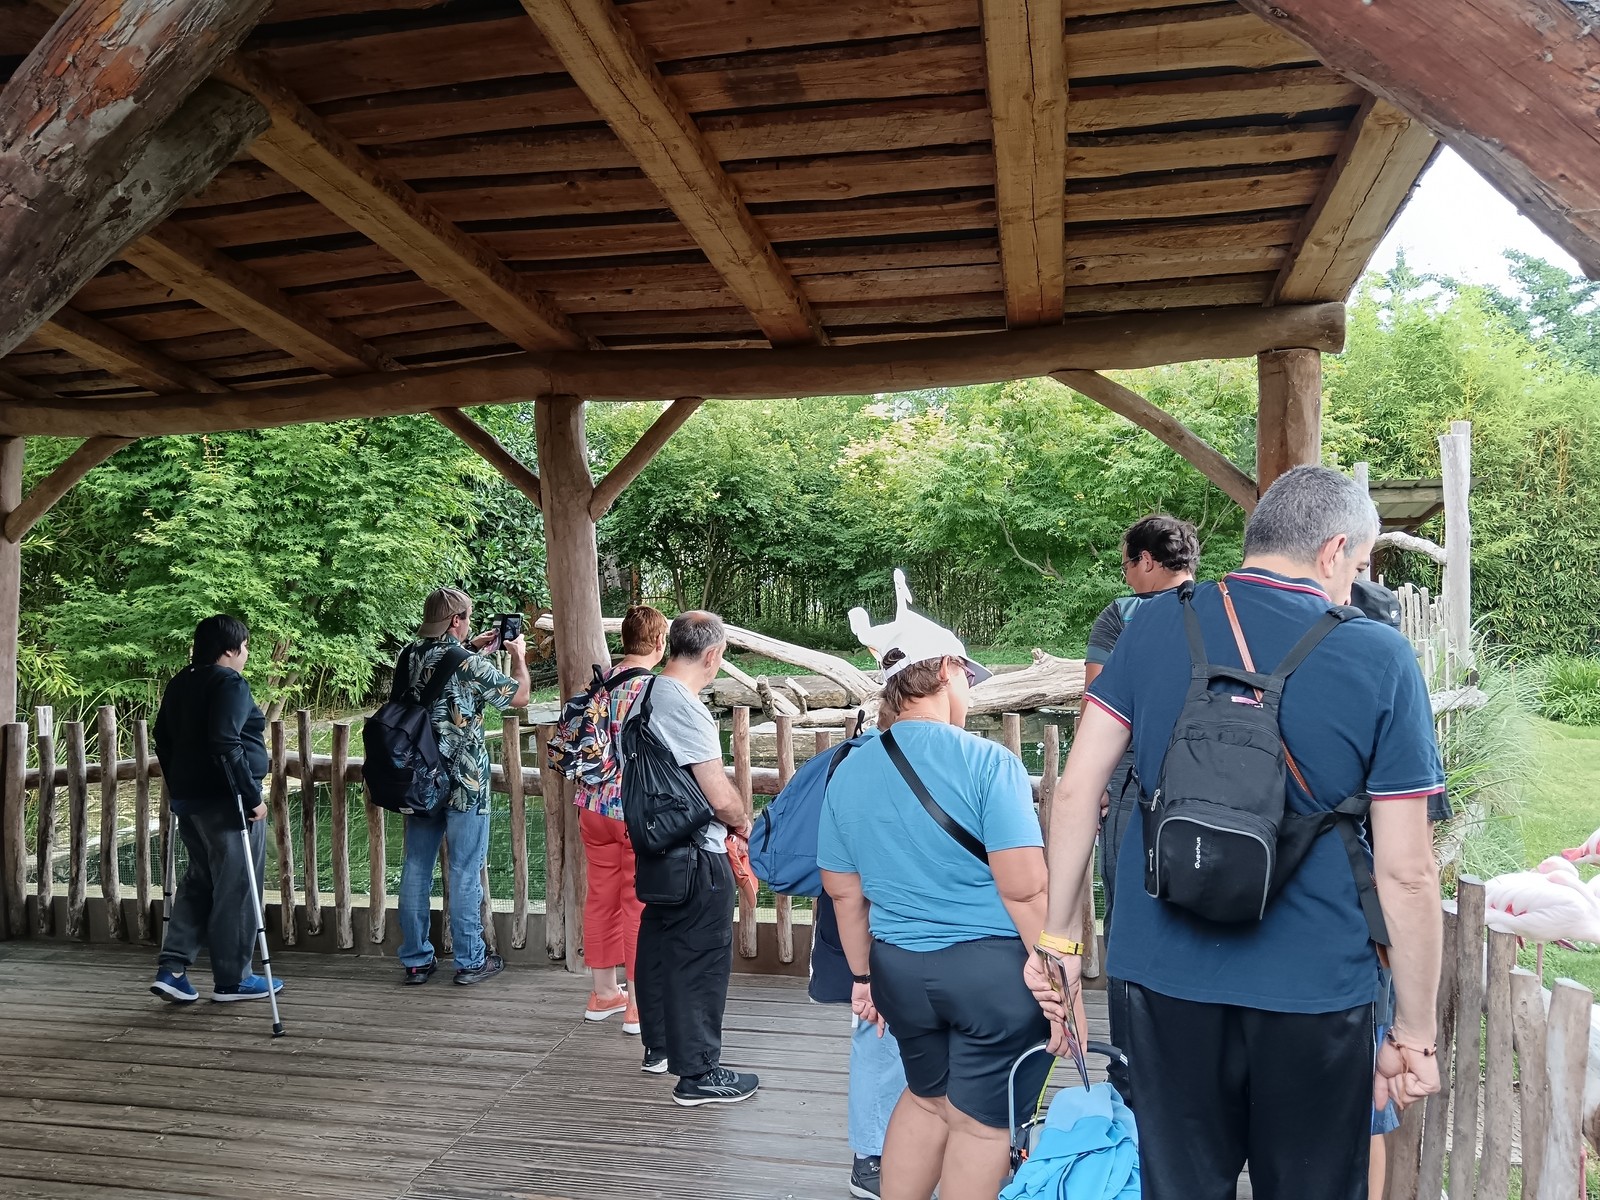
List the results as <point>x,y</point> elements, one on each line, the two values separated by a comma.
<point>10,576</point>
<point>572,568</point>
<point>1289,419</point>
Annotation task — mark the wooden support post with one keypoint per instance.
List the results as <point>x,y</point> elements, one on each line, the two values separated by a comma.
<point>344,931</point>
<point>784,904</point>
<point>141,827</point>
<point>44,724</point>
<point>308,823</point>
<point>488,447</point>
<point>1289,418</point>
<point>517,812</point>
<point>572,567</point>
<point>1455,457</point>
<point>110,881</point>
<point>10,576</point>
<point>13,826</point>
<point>740,745</point>
<point>77,831</point>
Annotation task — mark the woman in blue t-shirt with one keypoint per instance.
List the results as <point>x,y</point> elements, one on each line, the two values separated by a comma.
<point>938,898</point>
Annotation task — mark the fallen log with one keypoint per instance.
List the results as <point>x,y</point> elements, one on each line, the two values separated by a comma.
<point>1050,682</point>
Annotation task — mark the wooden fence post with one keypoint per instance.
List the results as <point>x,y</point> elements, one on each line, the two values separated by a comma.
<point>740,744</point>
<point>338,795</point>
<point>141,826</point>
<point>377,874</point>
<point>1436,1118</point>
<point>14,763</point>
<point>308,823</point>
<point>1567,1061</point>
<point>110,881</point>
<point>279,796</point>
<point>1530,1026</point>
<point>1499,1101</point>
<point>1469,1017</point>
<point>555,836</point>
<point>44,859</point>
<point>517,810</point>
<point>77,830</point>
<point>1048,776</point>
<point>1455,459</point>
<point>784,904</point>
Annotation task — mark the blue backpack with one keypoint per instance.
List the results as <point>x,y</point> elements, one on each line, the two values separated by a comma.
<point>783,844</point>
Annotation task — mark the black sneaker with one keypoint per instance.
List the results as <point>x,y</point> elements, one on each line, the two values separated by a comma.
<point>866,1177</point>
<point>717,1086</point>
<point>492,964</point>
<point>655,1062</point>
<point>420,975</point>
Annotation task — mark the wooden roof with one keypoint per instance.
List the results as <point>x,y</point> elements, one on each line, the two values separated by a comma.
<point>444,182</point>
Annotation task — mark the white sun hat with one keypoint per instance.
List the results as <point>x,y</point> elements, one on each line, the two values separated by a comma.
<point>916,637</point>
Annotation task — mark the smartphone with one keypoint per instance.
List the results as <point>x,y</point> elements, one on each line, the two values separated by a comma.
<point>1054,971</point>
<point>509,626</point>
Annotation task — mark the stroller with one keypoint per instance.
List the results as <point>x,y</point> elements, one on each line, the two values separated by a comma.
<point>1025,1132</point>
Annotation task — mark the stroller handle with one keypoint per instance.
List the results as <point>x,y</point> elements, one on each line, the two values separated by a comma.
<point>1106,1048</point>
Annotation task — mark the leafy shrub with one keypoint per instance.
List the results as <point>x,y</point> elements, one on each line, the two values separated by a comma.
<point>1569,690</point>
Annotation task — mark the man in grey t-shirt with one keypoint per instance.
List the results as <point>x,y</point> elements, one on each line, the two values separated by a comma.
<point>686,950</point>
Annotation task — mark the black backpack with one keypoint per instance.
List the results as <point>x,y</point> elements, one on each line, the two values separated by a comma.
<point>663,808</point>
<point>1220,839</point>
<point>403,769</point>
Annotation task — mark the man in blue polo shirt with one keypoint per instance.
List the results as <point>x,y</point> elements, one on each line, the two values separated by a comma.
<point>1252,1042</point>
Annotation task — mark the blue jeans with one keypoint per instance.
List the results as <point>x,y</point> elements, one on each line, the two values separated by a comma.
<point>468,842</point>
<point>876,1081</point>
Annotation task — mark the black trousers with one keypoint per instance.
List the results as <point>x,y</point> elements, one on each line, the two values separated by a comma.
<point>1217,1086</point>
<point>681,975</point>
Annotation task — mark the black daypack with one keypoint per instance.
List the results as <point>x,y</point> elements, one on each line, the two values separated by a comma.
<point>663,808</point>
<point>403,769</point>
<point>1220,839</point>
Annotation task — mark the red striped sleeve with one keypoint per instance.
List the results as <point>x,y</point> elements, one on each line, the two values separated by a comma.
<point>1410,794</point>
<point>1109,711</point>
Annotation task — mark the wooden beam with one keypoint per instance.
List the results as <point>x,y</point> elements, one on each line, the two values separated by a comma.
<point>1113,342</point>
<point>174,256</point>
<point>58,483</point>
<point>1195,450</point>
<point>1289,419</point>
<point>111,351</point>
<point>607,61</point>
<point>76,121</point>
<point>1025,61</point>
<point>19,388</point>
<point>492,451</point>
<point>638,457</point>
<point>1380,162</point>
<point>1511,89</point>
<point>324,164</point>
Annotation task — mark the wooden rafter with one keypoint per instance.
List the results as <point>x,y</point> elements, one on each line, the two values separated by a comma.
<point>1117,342</point>
<point>639,455</point>
<point>119,354</point>
<point>1195,450</point>
<point>607,61</point>
<point>1383,156</point>
<point>183,262</point>
<point>58,483</point>
<point>1027,87</point>
<point>324,164</point>
<point>492,451</point>
<point>1510,88</point>
<point>21,389</point>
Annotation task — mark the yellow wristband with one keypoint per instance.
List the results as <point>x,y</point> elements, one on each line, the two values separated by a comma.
<point>1059,945</point>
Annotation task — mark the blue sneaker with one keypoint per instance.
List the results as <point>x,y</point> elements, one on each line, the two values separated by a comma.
<point>175,988</point>
<point>251,987</point>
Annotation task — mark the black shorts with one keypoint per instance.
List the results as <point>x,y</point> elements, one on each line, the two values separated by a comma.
<point>963,1016</point>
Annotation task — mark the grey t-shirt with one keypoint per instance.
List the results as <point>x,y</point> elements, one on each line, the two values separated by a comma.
<point>687,728</point>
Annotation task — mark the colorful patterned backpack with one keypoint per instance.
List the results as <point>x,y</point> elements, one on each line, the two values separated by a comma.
<point>582,746</point>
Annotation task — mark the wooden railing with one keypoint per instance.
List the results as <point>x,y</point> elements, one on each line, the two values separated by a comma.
<point>305,916</point>
<point>1510,1056</point>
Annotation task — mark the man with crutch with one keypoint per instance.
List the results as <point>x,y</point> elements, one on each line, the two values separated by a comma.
<point>209,737</point>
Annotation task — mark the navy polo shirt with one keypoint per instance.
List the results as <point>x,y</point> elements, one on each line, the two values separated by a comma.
<point>1354,714</point>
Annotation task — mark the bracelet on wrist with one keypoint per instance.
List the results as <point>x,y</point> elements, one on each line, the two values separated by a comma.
<point>1059,945</point>
<point>861,978</point>
<point>1425,1051</point>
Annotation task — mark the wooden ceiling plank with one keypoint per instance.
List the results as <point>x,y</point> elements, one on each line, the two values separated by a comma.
<point>1382,160</point>
<point>123,357</point>
<point>300,147</point>
<point>1115,342</point>
<point>183,262</point>
<point>606,59</point>
<point>1026,80</point>
<point>1511,89</point>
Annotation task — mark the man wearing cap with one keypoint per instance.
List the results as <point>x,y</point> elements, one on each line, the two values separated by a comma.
<point>464,824</point>
<point>932,855</point>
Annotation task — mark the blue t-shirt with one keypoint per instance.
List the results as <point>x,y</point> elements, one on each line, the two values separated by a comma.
<point>926,891</point>
<point>1354,714</point>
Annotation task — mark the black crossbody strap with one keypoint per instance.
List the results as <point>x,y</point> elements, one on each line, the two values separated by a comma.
<point>1191,626</point>
<point>449,662</point>
<point>919,789</point>
<point>1348,815</point>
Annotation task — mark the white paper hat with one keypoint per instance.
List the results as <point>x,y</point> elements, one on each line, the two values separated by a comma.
<point>911,633</point>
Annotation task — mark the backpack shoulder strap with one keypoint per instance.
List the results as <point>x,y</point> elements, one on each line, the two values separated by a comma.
<point>402,676</point>
<point>622,677</point>
<point>838,758</point>
<point>943,819</point>
<point>1191,625</point>
<point>1349,816</point>
<point>449,663</point>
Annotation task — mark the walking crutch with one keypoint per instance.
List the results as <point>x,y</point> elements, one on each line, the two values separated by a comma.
<point>169,871</point>
<point>261,921</point>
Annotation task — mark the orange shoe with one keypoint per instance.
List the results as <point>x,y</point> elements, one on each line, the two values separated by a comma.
<point>599,1010</point>
<point>630,1019</point>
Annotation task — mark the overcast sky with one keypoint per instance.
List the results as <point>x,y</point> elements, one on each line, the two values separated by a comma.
<point>1456,224</point>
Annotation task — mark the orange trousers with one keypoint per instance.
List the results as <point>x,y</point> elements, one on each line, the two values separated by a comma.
<point>611,907</point>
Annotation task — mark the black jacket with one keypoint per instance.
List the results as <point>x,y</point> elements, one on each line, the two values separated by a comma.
<point>209,736</point>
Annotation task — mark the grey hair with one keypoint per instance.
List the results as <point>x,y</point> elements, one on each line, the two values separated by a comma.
<point>1304,510</point>
<point>693,633</point>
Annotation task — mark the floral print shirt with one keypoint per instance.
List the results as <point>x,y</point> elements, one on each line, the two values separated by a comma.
<point>607,798</point>
<point>458,716</point>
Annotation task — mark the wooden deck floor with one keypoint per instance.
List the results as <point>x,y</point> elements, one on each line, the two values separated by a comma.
<point>437,1093</point>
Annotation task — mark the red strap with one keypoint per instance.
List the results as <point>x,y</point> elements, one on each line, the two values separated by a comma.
<point>1249,665</point>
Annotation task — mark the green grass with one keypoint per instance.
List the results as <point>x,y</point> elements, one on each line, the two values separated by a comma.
<point>1560,810</point>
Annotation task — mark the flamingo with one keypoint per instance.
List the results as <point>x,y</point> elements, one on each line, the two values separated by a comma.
<point>1587,854</point>
<point>1550,904</point>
